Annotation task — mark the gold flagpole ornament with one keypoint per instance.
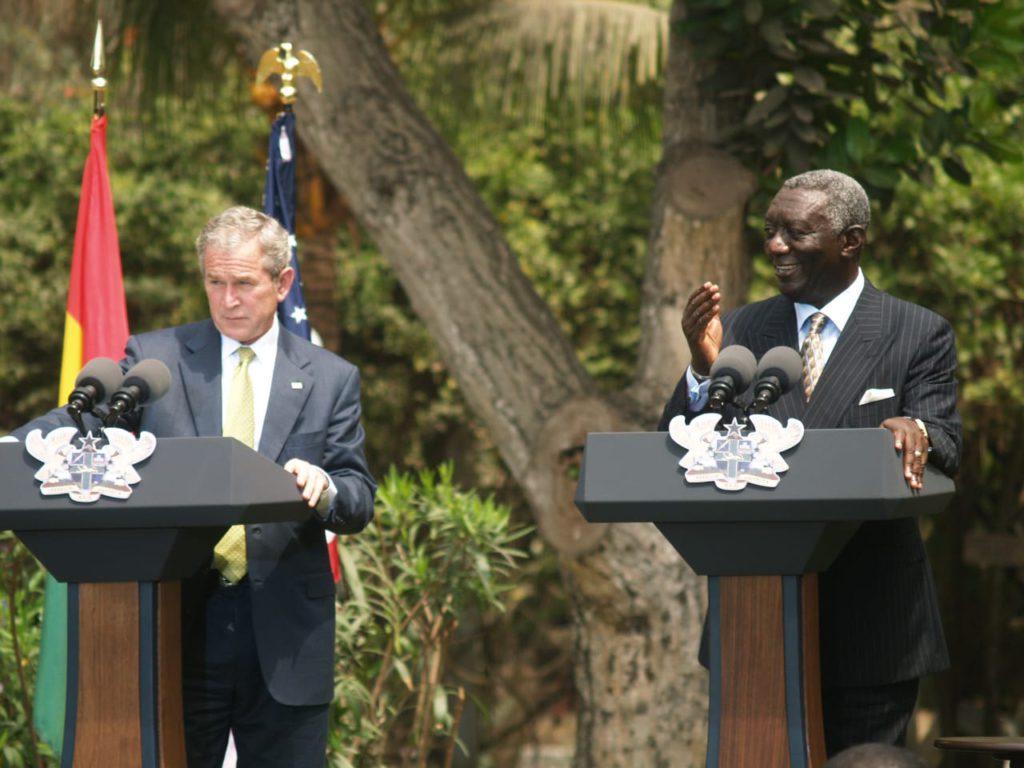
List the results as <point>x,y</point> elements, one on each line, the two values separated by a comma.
<point>98,64</point>
<point>290,65</point>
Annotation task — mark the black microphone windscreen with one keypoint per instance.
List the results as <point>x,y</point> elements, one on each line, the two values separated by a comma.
<point>151,376</point>
<point>784,363</point>
<point>737,362</point>
<point>101,373</point>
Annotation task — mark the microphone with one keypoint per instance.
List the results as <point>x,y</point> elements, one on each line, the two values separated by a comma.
<point>731,374</point>
<point>780,368</point>
<point>146,382</point>
<point>95,381</point>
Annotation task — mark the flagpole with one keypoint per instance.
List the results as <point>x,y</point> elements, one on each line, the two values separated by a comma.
<point>98,64</point>
<point>279,189</point>
<point>95,325</point>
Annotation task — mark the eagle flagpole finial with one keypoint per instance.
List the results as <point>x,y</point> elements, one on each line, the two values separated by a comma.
<point>290,65</point>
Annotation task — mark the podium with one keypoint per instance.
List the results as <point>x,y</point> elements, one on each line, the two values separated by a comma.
<point>123,561</point>
<point>761,549</point>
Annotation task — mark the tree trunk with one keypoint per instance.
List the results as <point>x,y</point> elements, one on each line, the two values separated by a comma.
<point>638,608</point>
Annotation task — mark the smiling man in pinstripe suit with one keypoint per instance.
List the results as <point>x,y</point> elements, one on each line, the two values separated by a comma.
<point>888,363</point>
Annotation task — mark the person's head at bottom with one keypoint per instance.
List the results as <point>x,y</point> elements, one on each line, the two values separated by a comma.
<point>876,756</point>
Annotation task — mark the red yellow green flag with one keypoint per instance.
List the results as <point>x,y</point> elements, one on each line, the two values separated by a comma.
<point>96,324</point>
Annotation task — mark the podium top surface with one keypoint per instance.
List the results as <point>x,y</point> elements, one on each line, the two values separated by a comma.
<point>187,482</point>
<point>833,475</point>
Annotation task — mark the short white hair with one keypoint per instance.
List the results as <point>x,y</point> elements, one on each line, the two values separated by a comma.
<point>847,204</point>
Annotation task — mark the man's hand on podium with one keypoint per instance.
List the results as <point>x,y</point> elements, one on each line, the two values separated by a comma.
<point>912,439</point>
<point>313,481</point>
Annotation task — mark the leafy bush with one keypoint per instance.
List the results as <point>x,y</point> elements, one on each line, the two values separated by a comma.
<point>21,605</point>
<point>434,554</point>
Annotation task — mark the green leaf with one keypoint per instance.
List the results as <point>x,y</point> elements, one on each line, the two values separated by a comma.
<point>822,9</point>
<point>752,11</point>
<point>811,80</point>
<point>1002,150</point>
<point>763,108</point>
<point>956,170</point>
<point>859,142</point>
<point>883,177</point>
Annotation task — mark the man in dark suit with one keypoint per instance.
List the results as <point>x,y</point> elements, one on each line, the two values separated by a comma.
<point>886,363</point>
<point>258,624</point>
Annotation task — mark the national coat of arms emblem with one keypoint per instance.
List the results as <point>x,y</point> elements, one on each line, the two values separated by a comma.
<point>740,455</point>
<point>88,470</point>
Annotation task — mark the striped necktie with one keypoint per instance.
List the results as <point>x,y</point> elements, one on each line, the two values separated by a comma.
<point>813,353</point>
<point>240,423</point>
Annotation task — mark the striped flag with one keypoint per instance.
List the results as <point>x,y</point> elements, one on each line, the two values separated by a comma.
<point>279,202</point>
<point>96,324</point>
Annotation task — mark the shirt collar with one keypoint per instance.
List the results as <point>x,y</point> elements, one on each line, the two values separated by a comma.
<point>262,347</point>
<point>838,310</point>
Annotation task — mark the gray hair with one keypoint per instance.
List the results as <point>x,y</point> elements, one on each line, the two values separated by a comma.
<point>847,201</point>
<point>230,230</point>
<point>876,756</point>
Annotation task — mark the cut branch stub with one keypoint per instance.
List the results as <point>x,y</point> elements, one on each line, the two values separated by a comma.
<point>550,481</point>
<point>707,184</point>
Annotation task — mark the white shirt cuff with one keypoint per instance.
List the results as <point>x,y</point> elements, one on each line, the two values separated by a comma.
<point>698,391</point>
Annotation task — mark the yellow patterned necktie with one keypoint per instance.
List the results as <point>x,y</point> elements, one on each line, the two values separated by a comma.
<point>813,353</point>
<point>240,423</point>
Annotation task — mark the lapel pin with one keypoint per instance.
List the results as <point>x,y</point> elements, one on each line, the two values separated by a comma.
<point>296,385</point>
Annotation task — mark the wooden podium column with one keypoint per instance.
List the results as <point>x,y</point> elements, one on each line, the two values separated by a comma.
<point>124,703</point>
<point>765,698</point>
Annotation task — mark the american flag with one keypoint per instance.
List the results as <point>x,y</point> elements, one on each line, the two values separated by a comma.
<point>279,202</point>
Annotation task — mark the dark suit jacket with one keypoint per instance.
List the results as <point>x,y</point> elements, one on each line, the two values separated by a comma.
<point>291,585</point>
<point>880,620</point>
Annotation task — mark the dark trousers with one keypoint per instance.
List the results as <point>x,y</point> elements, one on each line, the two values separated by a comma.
<point>872,714</point>
<point>224,690</point>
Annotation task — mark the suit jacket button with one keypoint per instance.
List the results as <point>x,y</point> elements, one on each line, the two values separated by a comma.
<point>256,530</point>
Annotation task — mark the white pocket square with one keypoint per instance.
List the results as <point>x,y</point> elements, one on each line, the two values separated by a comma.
<point>874,395</point>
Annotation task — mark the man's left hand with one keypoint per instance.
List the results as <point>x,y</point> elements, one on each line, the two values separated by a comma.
<point>908,438</point>
<point>312,480</point>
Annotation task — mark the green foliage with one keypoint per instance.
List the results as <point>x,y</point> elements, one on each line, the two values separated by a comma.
<point>434,554</point>
<point>21,604</point>
<point>818,81</point>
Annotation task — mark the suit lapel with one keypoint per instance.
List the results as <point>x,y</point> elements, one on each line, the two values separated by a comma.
<point>199,370</point>
<point>289,389</point>
<point>850,362</point>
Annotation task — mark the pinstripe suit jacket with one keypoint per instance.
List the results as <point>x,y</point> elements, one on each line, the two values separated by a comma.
<point>880,620</point>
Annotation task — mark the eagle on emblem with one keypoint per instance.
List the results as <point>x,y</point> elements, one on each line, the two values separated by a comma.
<point>733,458</point>
<point>88,471</point>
